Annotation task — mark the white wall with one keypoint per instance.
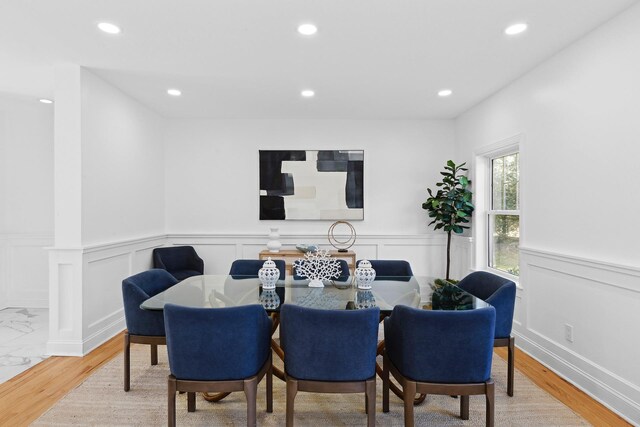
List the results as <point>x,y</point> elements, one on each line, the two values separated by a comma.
<point>26,200</point>
<point>580,259</point>
<point>122,165</point>
<point>212,179</point>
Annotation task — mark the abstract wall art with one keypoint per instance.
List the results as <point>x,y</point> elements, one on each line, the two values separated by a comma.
<point>312,185</point>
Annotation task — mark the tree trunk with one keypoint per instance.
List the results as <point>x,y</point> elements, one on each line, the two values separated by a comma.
<point>448,253</point>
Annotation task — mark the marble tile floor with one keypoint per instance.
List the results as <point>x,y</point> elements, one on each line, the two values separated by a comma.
<point>23,338</point>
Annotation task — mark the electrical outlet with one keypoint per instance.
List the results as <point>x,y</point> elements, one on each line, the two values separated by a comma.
<point>568,332</point>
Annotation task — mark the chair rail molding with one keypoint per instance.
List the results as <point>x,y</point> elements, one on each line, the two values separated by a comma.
<point>577,317</point>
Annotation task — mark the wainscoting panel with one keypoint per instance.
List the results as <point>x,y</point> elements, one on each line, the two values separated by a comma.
<point>104,284</point>
<point>24,270</point>
<point>93,302</point>
<point>4,277</point>
<point>102,268</point>
<point>426,253</point>
<point>580,319</point>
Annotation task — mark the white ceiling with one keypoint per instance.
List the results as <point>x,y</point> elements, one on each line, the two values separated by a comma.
<point>371,59</point>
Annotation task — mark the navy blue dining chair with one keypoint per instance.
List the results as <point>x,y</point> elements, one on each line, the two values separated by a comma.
<point>143,326</point>
<point>446,352</point>
<point>391,269</point>
<point>181,261</point>
<point>218,350</point>
<point>250,267</point>
<point>329,351</point>
<point>501,294</point>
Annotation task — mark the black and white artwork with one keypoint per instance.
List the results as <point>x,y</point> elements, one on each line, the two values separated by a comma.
<point>307,184</point>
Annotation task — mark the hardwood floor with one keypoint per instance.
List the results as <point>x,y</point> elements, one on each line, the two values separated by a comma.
<point>27,396</point>
<point>592,411</point>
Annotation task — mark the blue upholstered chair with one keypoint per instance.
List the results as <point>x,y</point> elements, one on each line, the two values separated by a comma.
<point>218,350</point>
<point>180,261</point>
<point>344,271</point>
<point>330,351</point>
<point>391,269</point>
<point>143,326</point>
<point>439,352</point>
<point>501,294</point>
<point>250,267</point>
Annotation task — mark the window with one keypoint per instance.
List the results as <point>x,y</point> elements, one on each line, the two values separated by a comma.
<point>503,222</point>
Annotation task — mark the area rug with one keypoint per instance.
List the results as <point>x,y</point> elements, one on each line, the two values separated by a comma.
<point>101,401</point>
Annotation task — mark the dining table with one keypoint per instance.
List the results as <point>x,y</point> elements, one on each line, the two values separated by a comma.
<point>224,290</point>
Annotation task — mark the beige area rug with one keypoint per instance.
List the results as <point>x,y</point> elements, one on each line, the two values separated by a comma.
<point>100,401</point>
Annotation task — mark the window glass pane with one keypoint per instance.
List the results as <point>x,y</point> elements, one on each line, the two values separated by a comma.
<point>505,175</point>
<point>504,243</point>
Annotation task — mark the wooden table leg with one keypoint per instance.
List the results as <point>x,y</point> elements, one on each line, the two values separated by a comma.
<point>215,397</point>
<point>392,386</point>
<point>275,317</point>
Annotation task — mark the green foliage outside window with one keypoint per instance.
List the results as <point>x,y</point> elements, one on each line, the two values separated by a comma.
<point>505,224</point>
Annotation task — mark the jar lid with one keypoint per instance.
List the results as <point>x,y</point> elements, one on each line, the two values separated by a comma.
<point>364,264</point>
<point>269,264</point>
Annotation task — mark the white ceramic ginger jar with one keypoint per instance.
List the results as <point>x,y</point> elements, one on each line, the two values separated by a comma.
<point>365,274</point>
<point>269,274</point>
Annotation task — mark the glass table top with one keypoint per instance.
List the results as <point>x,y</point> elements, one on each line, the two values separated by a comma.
<point>385,292</point>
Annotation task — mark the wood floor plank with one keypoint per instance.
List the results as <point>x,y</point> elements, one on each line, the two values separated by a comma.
<point>27,396</point>
<point>581,403</point>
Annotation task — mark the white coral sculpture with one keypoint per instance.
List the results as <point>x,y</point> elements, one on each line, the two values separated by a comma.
<point>317,266</point>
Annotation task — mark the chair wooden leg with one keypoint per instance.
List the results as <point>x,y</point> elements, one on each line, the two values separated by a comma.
<point>370,398</point>
<point>409,391</point>
<point>510,365</point>
<point>292,390</point>
<point>154,354</point>
<point>490,397</point>
<point>251,393</point>
<point>464,407</point>
<point>385,383</point>
<point>127,361</point>
<point>171,401</point>
<point>270,386</point>
<point>191,401</point>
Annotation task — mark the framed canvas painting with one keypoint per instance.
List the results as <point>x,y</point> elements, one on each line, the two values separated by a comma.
<point>312,184</point>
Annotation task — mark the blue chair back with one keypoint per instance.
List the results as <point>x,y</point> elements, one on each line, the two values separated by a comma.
<point>250,267</point>
<point>329,345</point>
<point>497,291</point>
<point>180,261</point>
<point>441,346</point>
<point>344,271</point>
<point>216,344</point>
<point>138,288</point>
<point>391,269</point>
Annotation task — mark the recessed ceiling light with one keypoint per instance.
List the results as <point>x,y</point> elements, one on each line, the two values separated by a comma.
<point>514,29</point>
<point>307,29</point>
<point>46,101</point>
<point>445,92</point>
<point>307,93</point>
<point>174,92</point>
<point>109,28</point>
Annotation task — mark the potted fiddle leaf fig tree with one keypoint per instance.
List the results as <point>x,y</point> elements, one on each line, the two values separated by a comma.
<point>450,206</point>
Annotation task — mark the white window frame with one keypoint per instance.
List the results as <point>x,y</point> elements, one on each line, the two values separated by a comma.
<point>483,192</point>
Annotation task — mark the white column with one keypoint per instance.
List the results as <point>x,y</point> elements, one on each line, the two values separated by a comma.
<point>66,257</point>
